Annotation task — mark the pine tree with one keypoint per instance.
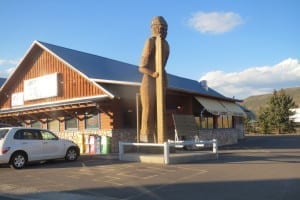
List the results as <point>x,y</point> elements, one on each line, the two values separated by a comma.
<point>276,115</point>
<point>264,120</point>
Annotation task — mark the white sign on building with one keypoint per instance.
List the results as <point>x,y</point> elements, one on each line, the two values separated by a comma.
<point>41,87</point>
<point>17,99</point>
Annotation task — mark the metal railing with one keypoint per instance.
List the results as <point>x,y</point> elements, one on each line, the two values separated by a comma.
<point>166,146</point>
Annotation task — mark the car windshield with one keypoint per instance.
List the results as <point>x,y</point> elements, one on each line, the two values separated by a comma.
<point>3,133</point>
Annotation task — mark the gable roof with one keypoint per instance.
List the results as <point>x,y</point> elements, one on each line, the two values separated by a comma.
<point>107,70</point>
<point>96,67</point>
<point>104,70</point>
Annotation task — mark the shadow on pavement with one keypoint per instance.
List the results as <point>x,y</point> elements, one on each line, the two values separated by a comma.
<point>286,189</point>
<point>266,142</point>
<point>261,149</point>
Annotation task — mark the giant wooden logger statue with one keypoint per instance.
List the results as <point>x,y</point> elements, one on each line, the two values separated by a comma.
<point>154,82</point>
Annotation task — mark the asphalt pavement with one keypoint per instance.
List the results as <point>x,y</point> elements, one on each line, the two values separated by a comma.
<point>259,167</point>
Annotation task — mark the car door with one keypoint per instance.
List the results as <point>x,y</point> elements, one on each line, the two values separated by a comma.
<point>53,147</point>
<point>29,141</point>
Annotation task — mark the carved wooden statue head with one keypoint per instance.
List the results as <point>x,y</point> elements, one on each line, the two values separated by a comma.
<point>159,27</point>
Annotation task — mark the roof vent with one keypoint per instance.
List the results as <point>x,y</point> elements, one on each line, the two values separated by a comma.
<point>203,84</point>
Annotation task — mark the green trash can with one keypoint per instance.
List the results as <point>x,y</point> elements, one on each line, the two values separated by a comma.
<point>105,145</point>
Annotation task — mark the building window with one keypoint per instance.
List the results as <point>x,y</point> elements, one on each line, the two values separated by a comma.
<point>208,122</point>
<point>225,121</point>
<point>205,122</point>
<point>92,121</point>
<point>71,123</point>
<point>36,124</point>
<point>53,125</point>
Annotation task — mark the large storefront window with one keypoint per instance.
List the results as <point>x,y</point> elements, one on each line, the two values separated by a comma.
<point>53,125</point>
<point>225,121</point>
<point>92,121</point>
<point>205,122</point>
<point>71,123</point>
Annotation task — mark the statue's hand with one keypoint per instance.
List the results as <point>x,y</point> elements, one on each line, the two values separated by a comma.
<point>155,74</point>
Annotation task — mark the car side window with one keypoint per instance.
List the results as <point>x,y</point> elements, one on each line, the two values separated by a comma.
<point>3,133</point>
<point>27,134</point>
<point>46,135</point>
<point>17,135</point>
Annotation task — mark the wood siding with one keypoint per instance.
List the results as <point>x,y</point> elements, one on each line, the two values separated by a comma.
<point>39,62</point>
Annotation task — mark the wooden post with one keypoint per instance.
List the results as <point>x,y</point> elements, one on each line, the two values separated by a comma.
<point>160,92</point>
<point>137,101</point>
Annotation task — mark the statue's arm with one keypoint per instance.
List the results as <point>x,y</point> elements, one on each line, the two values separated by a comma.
<point>148,72</point>
<point>146,59</point>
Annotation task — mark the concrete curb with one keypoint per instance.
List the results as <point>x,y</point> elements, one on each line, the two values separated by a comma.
<point>85,157</point>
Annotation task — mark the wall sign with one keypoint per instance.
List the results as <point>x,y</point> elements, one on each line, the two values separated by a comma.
<point>41,87</point>
<point>17,99</point>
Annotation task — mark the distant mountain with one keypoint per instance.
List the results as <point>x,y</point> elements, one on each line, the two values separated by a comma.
<point>253,103</point>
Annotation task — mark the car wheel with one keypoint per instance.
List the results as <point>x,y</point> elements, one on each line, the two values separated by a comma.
<point>72,154</point>
<point>18,160</point>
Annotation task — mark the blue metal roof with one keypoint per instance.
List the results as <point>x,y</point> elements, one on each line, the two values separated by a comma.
<point>96,67</point>
<point>101,68</point>
<point>2,80</point>
<point>192,86</point>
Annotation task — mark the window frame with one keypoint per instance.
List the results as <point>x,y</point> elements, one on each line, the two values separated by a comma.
<point>94,115</point>
<point>69,119</point>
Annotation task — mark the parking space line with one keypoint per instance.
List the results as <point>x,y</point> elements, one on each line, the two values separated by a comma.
<point>112,180</point>
<point>158,170</point>
<point>137,176</point>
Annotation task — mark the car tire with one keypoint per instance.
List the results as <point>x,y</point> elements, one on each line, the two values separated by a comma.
<point>18,160</point>
<point>72,154</point>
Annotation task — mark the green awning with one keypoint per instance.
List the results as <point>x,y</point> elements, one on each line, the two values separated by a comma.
<point>233,109</point>
<point>211,105</point>
<point>219,107</point>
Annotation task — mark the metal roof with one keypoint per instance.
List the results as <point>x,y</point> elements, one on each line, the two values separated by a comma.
<point>96,67</point>
<point>2,81</point>
<point>108,70</point>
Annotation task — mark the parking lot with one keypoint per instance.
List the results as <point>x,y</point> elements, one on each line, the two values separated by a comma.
<point>257,168</point>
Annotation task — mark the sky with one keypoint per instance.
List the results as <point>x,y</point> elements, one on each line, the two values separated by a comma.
<point>240,47</point>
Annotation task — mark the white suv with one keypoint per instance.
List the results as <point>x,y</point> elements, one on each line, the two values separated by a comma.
<point>19,145</point>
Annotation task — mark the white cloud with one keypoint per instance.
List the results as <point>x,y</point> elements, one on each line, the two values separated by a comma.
<point>8,62</point>
<point>255,80</point>
<point>214,22</point>
<point>7,67</point>
<point>10,70</point>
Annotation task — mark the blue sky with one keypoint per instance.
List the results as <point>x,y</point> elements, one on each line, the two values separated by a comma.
<point>241,47</point>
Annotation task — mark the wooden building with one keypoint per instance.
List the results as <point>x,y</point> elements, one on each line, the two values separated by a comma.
<point>74,93</point>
